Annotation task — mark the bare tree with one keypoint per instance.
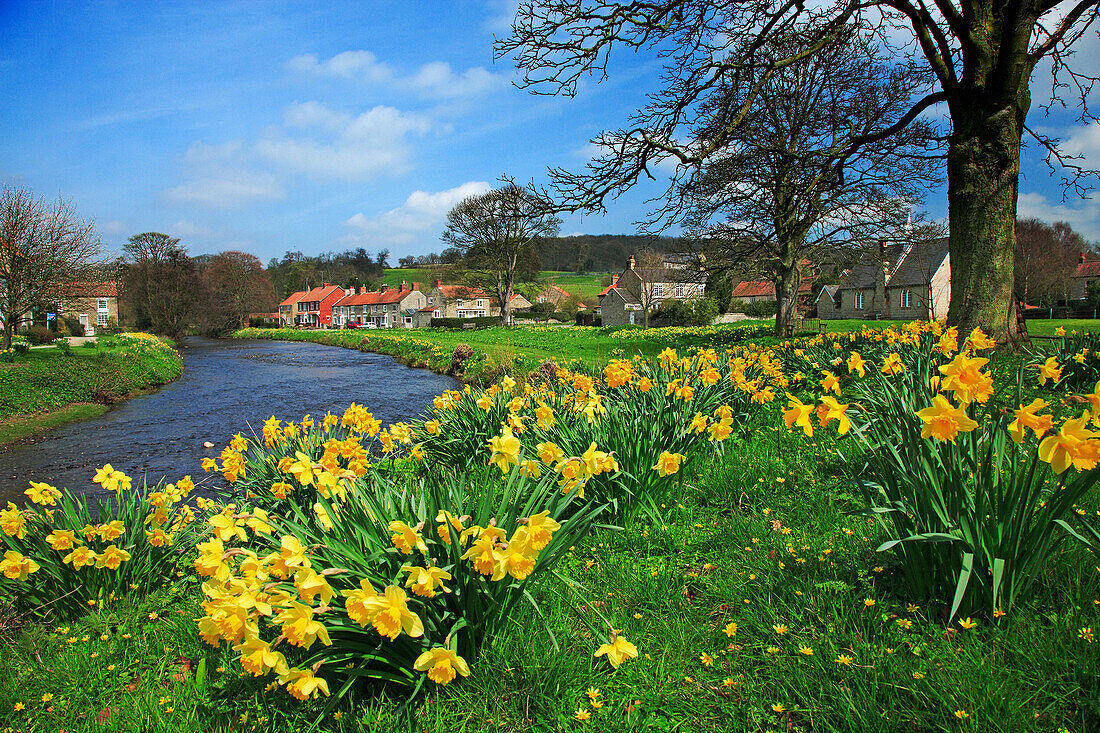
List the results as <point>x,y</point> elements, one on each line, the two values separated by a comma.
<point>981,52</point>
<point>43,250</point>
<point>161,287</point>
<point>786,186</point>
<point>1046,258</point>
<point>494,234</point>
<point>237,285</point>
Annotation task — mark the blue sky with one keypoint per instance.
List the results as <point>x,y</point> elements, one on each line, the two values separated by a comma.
<point>268,126</point>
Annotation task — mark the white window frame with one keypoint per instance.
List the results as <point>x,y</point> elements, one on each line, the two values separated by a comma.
<point>435,313</point>
<point>101,319</point>
<point>858,300</point>
<point>906,298</point>
<point>480,303</point>
<point>101,304</point>
<point>680,290</point>
<point>658,290</point>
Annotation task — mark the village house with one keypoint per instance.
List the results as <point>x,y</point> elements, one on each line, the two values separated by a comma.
<point>384,308</point>
<point>623,301</point>
<point>94,305</point>
<point>461,301</point>
<point>288,309</point>
<point>751,291</point>
<point>311,308</point>
<point>1087,271</point>
<point>556,295</point>
<point>903,281</point>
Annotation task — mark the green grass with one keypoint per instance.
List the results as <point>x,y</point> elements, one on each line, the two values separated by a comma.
<point>21,426</point>
<point>519,349</point>
<point>719,558</point>
<point>45,380</point>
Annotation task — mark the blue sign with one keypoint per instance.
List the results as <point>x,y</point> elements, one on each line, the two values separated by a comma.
<point>51,316</point>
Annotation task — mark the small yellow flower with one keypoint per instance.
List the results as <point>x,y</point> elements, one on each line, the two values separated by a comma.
<point>918,676</point>
<point>731,629</point>
<point>593,693</point>
<point>596,704</point>
<point>780,629</point>
<point>582,714</point>
<point>961,714</point>
<point>806,650</point>
<point>905,623</point>
<point>153,616</point>
<point>868,602</point>
<point>47,697</point>
<point>1085,633</point>
<point>706,659</point>
<point>843,659</point>
<point>778,707</point>
<point>19,706</point>
<point>968,623</point>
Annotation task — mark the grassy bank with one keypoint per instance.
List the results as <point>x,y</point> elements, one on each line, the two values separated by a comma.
<point>47,386</point>
<point>520,349</point>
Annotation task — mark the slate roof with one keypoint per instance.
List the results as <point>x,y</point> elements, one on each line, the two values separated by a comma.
<point>668,275</point>
<point>905,267</point>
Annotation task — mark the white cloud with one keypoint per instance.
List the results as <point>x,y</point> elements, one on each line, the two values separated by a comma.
<point>1085,141</point>
<point>1081,214</point>
<point>421,212</point>
<point>185,229</point>
<point>227,190</point>
<point>113,227</point>
<point>346,147</point>
<point>435,79</point>
<point>346,65</point>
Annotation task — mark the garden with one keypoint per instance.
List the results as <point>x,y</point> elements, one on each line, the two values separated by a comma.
<point>879,529</point>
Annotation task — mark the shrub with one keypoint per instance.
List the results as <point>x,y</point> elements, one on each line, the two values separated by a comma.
<point>737,306</point>
<point>72,325</point>
<point>761,309</point>
<point>1076,364</point>
<point>39,335</point>
<point>459,323</point>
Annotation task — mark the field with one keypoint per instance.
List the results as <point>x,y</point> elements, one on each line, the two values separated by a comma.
<point>753,587</point>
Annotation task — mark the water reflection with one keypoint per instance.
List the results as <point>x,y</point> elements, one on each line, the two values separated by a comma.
<point>226,387</point>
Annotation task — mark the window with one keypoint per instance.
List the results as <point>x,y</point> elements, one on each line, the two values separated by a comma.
<point>408,321</point>
<point>542,298</point>
<point>480,303</point>
<point>906,298</point>
<point>101,319</point>
<point>658,290</point>
<point>435,313</point>
<point>431,301</point>
<point>859,301</point>
<point>101,304</point>
<point>679,290</point>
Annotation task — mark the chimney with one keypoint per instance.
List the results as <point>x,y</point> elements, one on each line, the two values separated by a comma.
<point>1082,258</point>
<point>362,289</point>
<point>416,286</point>
<point>614,280</point>
<point>404,285</point>
<point>631,262</point>
<point>384,288</point>
<point>324,285</point>
<point>349,291</point>
<point>438,283</point>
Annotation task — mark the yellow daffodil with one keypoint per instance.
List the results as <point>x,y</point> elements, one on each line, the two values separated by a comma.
<point>944,421</point>
<point>442,665</point>
<point>618,651</point>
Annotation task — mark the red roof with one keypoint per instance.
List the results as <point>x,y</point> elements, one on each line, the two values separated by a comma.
<point>461,291</point>
<point>294,298</point>
<point>758,288</point>
<point>375,297</point>
<point>319,294</point>
<point>91,290</point>
<point>1088,269</point>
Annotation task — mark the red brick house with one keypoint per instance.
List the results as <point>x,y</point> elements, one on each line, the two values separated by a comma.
<point>385,308</point>
<point>314,307</point>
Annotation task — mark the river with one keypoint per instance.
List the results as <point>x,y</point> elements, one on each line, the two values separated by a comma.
<point>227,386</point>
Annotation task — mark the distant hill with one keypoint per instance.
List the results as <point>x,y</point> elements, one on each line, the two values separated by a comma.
<point>598,252</point>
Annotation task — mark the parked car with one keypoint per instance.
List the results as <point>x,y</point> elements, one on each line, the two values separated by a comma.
<point>352,324</point>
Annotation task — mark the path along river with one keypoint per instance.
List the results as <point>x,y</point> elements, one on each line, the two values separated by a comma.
<point>227,386</point>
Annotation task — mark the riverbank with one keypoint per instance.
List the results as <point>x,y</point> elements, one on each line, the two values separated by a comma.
<point>48,387</point>
<point>519,350</point>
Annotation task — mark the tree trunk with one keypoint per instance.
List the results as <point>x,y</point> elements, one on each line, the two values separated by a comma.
<point>787,280</point>
<point>983,168</point>
<point>8,330</point>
